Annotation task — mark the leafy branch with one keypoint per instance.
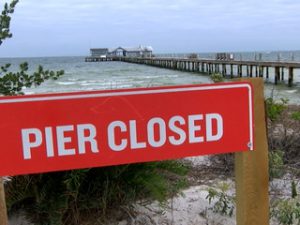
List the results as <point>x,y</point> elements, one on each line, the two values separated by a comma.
<point>5,20</point>
<point>12,83</point>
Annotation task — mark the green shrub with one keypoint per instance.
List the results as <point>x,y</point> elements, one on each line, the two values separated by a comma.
<point>64,197</point>
<point>296,116</point>
<point>276,164</point>
<point>224,203</point>
<point>217,77</point>
<point>294,189</point>
<point>287,211</point>
<point>275,109</point>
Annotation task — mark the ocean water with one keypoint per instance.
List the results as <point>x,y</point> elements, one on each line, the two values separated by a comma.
<point>80,76</point>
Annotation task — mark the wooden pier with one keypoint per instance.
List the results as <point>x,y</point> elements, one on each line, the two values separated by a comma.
<point>281,71</point>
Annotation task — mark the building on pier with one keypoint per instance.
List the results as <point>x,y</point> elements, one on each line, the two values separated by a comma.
<point>141,51</point>
<point>99,52</point>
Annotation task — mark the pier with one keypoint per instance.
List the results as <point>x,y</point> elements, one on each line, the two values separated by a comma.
<point>278,70</point>
<point>229,68</point>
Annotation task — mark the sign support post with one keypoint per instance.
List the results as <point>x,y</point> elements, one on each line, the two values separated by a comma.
<point>3,211</point>
<point>251,168</point>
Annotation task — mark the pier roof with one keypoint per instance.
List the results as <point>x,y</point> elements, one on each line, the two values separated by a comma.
<point>135,49</point>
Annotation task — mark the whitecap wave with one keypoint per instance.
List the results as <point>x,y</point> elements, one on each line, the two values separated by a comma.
<point>66,82</point>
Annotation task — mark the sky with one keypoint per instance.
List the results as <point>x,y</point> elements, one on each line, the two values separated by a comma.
<point>72,27</point>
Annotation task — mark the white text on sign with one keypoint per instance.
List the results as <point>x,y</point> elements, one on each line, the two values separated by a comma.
<point>159,133</point>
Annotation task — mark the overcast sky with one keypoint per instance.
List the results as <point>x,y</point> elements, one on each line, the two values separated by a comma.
<point>71,27</point>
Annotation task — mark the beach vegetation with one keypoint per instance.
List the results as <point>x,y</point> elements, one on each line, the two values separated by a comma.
<point>13,83</point>
<point>275,109</point>
<point>294,189</point>
<point>283,130</point>
<point>5,19</point>
<point>217,77</point>
<point>68,197</point>
<point>220,199</point>
<point>287,212</point>
<point>276,164</point>
<point>296,116</point>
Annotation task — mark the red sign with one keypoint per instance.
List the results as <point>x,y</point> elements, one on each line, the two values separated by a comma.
<point>40,133</point>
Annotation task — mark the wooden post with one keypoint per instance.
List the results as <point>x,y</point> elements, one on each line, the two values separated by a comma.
<point>3,211</point>
<point>282,73</point>
<point>240,70</point>
<point>251,70</point>
<point>224,70</point>
<point>267,72</point>
<point>248,74</point>
<point>231,70</point>
<point>277,75</point>
<point>251,169</point>
<point>256,71</point>
<point>291,76</point>
<point>261,71</point>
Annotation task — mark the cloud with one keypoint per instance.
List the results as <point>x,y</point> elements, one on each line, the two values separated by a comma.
<point>164,23</point>
<point>180,13</point>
